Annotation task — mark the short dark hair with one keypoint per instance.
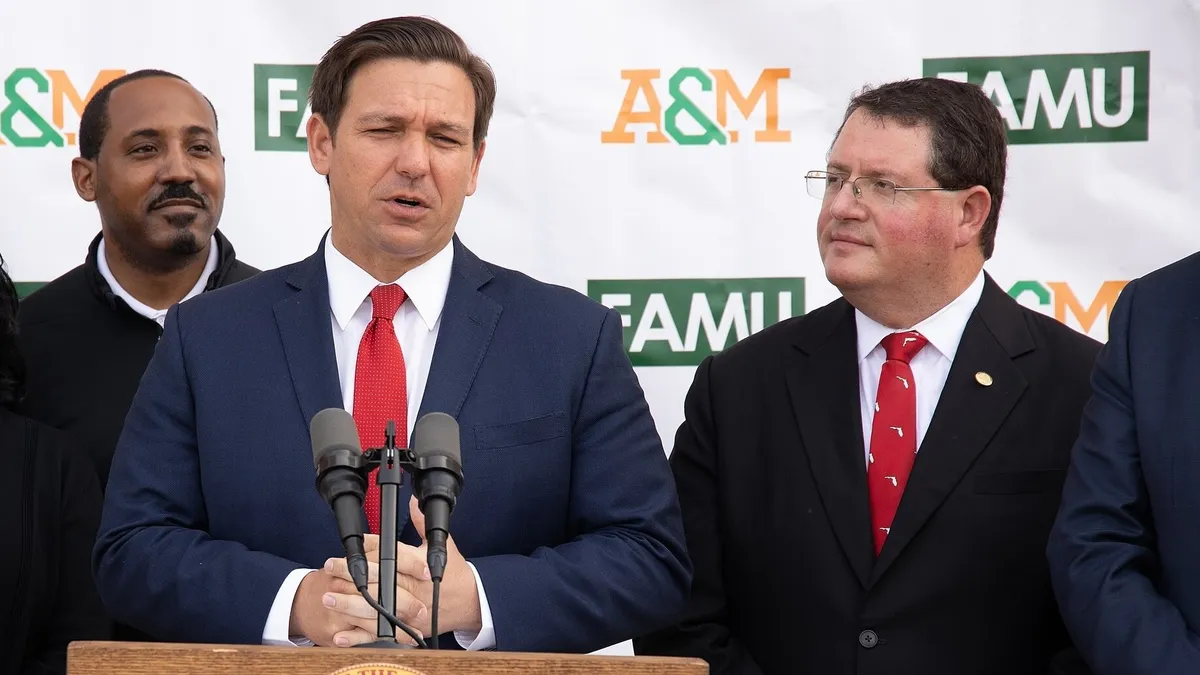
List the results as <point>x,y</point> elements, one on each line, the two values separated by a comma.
<point>93,123</point>
<point>12,365</point>
<point>968,139</point>
<point>405,37</point>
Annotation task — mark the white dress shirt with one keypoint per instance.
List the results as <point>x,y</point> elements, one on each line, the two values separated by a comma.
<point>416,325</point>
<point>930,366</point>
<point>158,315</point>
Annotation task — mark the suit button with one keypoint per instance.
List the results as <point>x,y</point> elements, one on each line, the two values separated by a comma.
<point>868,639</point>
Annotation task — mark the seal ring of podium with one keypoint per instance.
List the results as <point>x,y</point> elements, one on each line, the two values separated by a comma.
<point>377,669</point>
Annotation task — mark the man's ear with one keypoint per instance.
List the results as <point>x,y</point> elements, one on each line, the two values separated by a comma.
<point>973,213</point>
<point>83,175</point>
<point>475,167</point>
<point>320,144</point>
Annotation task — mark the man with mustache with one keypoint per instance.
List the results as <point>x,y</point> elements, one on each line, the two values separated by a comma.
<point>869,488</point>
<point>151,162</point>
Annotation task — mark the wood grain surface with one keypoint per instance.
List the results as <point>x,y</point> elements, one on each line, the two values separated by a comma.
<point>135,658</point>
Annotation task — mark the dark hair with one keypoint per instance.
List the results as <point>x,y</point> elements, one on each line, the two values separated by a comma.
<point>12,366</point>
<point>968,141</point>
<point>93,123</point>
<point>406,37</point>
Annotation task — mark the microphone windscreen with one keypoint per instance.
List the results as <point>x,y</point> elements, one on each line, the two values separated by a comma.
<point>332,428</point>
<point>437,434</point>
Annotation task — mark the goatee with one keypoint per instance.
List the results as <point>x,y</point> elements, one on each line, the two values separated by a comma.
<point>185,243</point>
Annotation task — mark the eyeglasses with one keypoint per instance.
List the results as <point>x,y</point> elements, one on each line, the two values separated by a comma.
<point>824,185</point>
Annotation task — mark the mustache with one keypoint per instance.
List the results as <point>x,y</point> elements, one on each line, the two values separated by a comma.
<point>177,191</point>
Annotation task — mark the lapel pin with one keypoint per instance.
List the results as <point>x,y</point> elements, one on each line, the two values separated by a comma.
<point>983,378</point>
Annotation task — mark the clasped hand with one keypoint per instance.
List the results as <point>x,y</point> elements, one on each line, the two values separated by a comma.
<point>459,602</point>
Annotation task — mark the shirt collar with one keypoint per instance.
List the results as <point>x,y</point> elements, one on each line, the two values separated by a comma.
<point>137,305</point>
<point>425,285</point>
<point>943,329</point>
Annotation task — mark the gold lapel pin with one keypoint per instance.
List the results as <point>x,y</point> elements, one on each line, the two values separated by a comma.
<point>983,378</point>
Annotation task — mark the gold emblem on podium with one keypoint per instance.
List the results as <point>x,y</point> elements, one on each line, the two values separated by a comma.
<point>377,669</point>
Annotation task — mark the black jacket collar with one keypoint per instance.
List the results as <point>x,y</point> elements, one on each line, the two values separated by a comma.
<point>226,261</point>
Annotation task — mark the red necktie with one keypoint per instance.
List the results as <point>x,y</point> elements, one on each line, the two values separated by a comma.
<point>380,388</point>
<point>893,432</point>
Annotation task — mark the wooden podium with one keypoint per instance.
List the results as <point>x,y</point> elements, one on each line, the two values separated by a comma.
<point>144,658</point>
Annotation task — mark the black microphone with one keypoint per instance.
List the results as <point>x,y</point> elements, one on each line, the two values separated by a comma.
<point>437,482</point>
<point>342,469</point>
<point>341,480</point>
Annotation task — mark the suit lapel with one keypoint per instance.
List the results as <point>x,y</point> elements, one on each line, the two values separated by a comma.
<point>967,416</point>
<point>307,335</point>
<point>468,322</point>
<point>825,396</point>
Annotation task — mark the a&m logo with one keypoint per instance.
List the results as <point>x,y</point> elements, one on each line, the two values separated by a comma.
<point>1059,300</point>
<point>41,108</point>
<point>1061,98</point>
<point>698,105</point>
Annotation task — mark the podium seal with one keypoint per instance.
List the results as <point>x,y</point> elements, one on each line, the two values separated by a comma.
<point>377,669</point>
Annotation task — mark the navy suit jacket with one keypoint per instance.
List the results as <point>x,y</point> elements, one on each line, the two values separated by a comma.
<point>1125,550</point>
<point>568,511</point>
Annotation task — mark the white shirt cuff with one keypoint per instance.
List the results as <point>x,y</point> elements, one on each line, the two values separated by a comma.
<point>486,638</point>
<point>280,618</point>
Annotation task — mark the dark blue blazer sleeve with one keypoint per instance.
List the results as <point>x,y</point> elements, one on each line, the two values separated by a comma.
<point>628,572</point>
<point>156,567</point>
<point>1102,549</point>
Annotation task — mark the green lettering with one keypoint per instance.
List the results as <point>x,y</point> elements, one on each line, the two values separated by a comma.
<point>17,105</point>
<point>680,103</point>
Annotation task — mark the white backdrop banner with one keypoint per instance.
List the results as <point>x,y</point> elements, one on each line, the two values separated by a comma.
<point>651,154</point>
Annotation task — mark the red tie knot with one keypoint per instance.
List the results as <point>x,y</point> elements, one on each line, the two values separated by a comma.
<point>385,301</point>
<point>903,346</point>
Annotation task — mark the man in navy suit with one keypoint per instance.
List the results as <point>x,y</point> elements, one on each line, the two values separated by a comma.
<point>567,536</point>
<point>1124,549</point>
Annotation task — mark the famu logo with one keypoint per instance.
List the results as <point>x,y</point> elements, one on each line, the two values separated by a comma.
<point>698,112</point>
<point>678,322</point>
<point>34,112</point>
<point>1062,98</point>
<point>1059,300</point>
<point>281,109</point>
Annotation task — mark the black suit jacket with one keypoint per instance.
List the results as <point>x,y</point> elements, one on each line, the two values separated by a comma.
<point>771,475</point>
<point>50,501</point>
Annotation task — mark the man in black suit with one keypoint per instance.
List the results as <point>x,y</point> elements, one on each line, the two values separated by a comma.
<point>869,488</point>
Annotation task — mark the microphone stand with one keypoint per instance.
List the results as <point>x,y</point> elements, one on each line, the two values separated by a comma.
<point>391,475</point>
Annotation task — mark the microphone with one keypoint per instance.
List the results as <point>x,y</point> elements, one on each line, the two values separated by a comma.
<point>437,482</point>
<point>341,481</point>
<point>342,470</point>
